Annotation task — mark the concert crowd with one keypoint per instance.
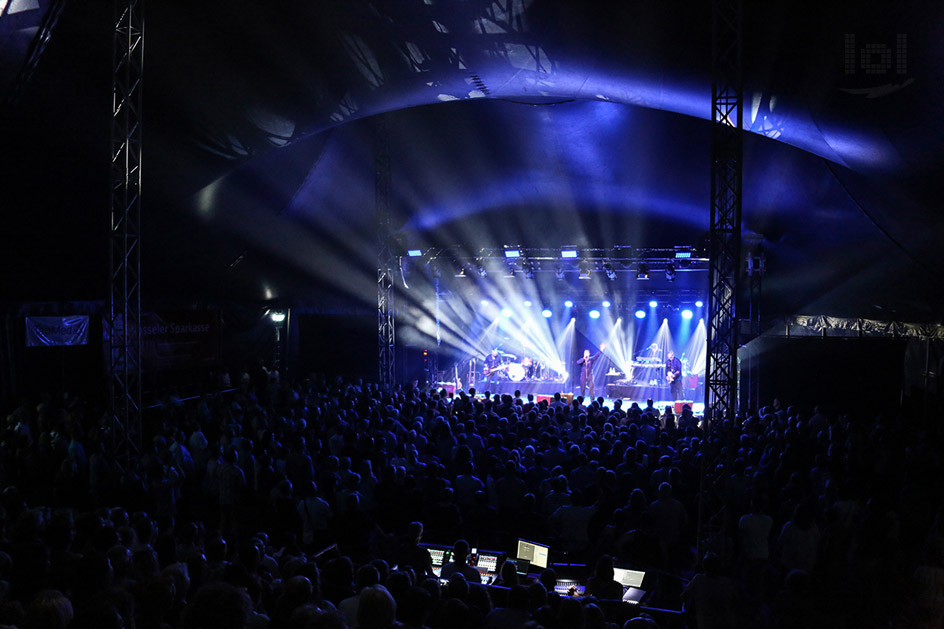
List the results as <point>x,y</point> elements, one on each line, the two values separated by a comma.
<point>304,503</point>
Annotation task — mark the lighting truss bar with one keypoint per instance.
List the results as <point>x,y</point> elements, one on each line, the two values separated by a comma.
<point>124,304</point>
<point>386,257</point>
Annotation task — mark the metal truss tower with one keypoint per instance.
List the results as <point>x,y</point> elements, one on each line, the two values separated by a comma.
<point>386,258</point>
<point>124,304</point>
<point>725,233</point>
<point>724,257</point>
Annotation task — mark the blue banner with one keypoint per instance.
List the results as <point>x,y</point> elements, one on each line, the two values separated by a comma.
<point>56,331</point>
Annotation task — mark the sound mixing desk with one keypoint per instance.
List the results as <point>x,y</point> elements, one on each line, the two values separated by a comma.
<point>569,588</point>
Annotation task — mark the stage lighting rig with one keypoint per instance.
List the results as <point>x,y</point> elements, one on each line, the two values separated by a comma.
<point>609,270</point>
<point>584,270</point>
<point>529,269</point>
<point>642,273</point>
<point>670,273</point>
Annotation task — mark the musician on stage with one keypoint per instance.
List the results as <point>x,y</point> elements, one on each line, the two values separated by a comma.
<point>673,375</point>
<point>586,370</point>
<point>492,363</point>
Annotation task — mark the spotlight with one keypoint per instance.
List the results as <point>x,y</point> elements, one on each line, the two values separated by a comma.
<point>643,272</point>
<point>686,314</point>
<point>606,304</point>
<point>512,253</point>
<point>584,270</point>
<point>569,303</point>
<point>277,317</point>
<point>653,303</point>
<point>461,270</point>
<point>511,270</point>
<point>484,302</point>
<point>546,313</point>
<point>506,312</point>
<point>640,314</point>
<point>568,253</point>
<point>594,314</point>
<point>610,271</point>
<point>670,273</point>
<point>415,253</point>
<point>529,269</point>
<point>699,303</point>
<point>559,273</point>
<point>527,303</point>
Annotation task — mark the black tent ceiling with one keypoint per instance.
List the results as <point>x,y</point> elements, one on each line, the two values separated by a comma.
<point>532,122</point>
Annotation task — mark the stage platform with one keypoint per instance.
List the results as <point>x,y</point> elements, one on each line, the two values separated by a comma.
<point>611,392</point>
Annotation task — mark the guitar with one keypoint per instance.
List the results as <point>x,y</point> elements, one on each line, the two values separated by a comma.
<point>671,376</point>
<point>489,372</point>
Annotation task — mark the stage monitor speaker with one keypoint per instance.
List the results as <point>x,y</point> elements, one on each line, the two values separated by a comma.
<point>680,404</point>
<point>566,397</point>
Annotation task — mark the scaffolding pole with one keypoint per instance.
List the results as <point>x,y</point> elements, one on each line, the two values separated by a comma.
<point>724,260</point>
<point>124,303</point>
<point>386,258</point>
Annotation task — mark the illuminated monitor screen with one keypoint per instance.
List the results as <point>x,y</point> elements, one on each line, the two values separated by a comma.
<point>535,553</point>
<point>440,556</point>
<point>628,578</point>
<point>488,561</point>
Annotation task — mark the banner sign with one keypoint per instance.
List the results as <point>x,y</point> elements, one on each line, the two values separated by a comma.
<point>174,340</point>
<point>57,331</point>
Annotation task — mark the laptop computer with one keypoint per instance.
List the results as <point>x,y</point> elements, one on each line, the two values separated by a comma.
<point>631,580</point>
<point>535,553</point>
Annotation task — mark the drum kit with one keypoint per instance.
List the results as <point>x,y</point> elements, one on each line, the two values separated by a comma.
<point>526,369</point>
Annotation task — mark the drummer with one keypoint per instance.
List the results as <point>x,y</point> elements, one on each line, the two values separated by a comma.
<point>529,366</point>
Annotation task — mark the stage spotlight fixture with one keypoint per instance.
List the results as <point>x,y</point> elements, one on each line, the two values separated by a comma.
<point>594,314</point>
<point>653,303</point>
<point>277,317</point>
<point>670,273</point>
<point>529,269</point>
<point>640,314</point>
<point>584,270</point>
<point>527,303</point>
<point>643,272</point>
<point>569,303</point>
<point>699,304</point>
<point>415,253</point>
<point>610,271</point>
<point>512,253</point>
<point>511,270</point>
<point>559,273</point>
<point>568,253</point>
<point>606,304</point>
<point>461,269</point>
<point>484,302</point>
<point>686,314</point>
<point>546,313</point>
<point>506,312</point>
<point>480,268</point>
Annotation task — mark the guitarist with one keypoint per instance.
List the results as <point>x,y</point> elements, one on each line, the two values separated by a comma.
<point>673,375</point>
<point>492,367</point>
